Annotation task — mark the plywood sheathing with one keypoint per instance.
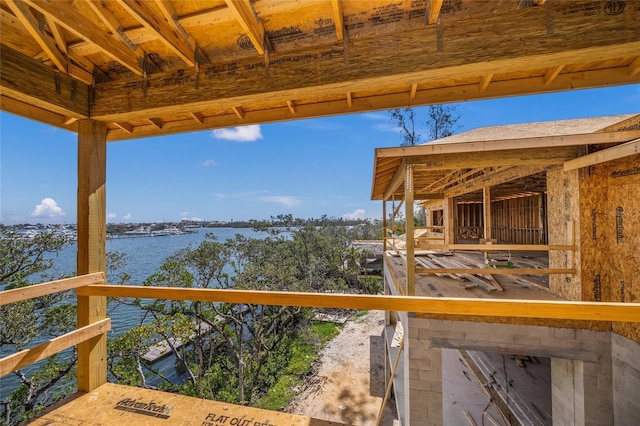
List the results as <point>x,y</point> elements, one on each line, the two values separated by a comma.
<point>610,235</point>
<point>114,405</point>
<point>563,218</point>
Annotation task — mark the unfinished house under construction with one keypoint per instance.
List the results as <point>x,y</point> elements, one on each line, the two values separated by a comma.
<point>127,69</point>
<point>539,211</point>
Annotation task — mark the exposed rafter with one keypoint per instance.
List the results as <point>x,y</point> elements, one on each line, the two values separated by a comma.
<point>125,126</point>
<point>178,43</point>
<point>239,112</point>
<point>114,25</point>
<point>338,18</point>
<point>70,18</point>
<point>250,22</point>
<point>433,11</point>
<point>36,30</point>
<point>170,14</point>
<point>197,116</point>
<point>412,94</point>
<point>292,106</point>
<point>552,73</point>
<point>58,36</point>
<point>484,82</point>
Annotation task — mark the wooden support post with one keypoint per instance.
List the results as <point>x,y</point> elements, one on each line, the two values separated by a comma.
<point>486,200</point>
<point>450,221</point>
<point>384,226</point>
<point>92,231</point>
<point>408,209</point>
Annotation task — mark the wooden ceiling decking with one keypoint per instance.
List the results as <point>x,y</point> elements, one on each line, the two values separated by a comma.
<point>167,66</point>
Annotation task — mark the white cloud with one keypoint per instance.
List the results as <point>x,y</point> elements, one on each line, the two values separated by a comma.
<point>356,214</point>
<point>48,208</point>
<point>208,163</point>
<point>111,216</point>
<point>239,134</point>
<point>376,116</point>
<point>387,128</point>
<point>193,219</point>
<point>127,216</point>
<point>285,200</point>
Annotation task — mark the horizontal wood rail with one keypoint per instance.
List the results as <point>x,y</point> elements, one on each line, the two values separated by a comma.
<point>515,308</point>
<point>39,290</point>
<point>494,271</point>
<point>29,356</point>
<point>499,247</point>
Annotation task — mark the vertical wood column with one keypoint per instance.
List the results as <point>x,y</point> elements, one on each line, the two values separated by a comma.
<point>384,227</point>
<point>486,196</point>
<point>450,221</point>
<point>408,208</point>
<point>92,232</point>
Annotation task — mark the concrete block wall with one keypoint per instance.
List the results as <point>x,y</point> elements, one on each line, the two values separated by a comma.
<point>581,379</point>
<point>626,380</point>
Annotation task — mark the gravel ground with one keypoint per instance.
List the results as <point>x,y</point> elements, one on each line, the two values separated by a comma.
<point>348,383</point>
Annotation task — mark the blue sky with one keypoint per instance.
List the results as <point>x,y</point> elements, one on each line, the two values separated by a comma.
<point>306,168</point>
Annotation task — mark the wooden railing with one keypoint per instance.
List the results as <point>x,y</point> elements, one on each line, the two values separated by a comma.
<point>29,356</point>
<point>93,285</point>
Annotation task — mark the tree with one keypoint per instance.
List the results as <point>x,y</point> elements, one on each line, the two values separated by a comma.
<point>23,323</point>
<point>442,121</point>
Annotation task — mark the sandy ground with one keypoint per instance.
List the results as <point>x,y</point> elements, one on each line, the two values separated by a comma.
<point>348,383</point>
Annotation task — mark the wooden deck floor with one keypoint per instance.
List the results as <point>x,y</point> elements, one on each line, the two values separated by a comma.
<point>115,405</point>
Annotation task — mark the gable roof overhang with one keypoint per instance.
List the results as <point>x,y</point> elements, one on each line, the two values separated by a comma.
<point>154,68</point>
<point>448,168</point>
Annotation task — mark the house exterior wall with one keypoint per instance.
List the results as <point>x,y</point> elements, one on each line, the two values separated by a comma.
<point>582,375</point>
<point>563,198</point>
<point>610,235</point>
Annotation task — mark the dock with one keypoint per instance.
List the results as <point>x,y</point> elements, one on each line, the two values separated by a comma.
<point>162,349</point>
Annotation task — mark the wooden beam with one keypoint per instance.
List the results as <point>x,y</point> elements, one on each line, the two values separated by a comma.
<point>91,251</point>
<point>338,18</point>
<point>292,106</point>
<point>125,126</point>
<point>486,209</point>
<point>493,178</point>
<point>32,82</point>
<point>36,30</point>
<point>552,73</point>
<point>44,289</point>
<point>410,264</point>
<point>239,112</point>
<point>70,18</point>
<point>501,247</point>
<point>165,33</point>
<point>250,22</point>
<point>156,122</point>
<point>29,356</point>
<point>349,100</point>
<point>494,271</point>
<point>433,11</point>
<point>609,154</point>
<point>634,67</point>
<point>511,308</point>
<point>197,116</point>
<point>115,26</point>
<point>412,94</point>
<point>58,36</point>
<point>397,179</point>
<point>371,103</point>
<point>379,60</point>
<point>510,144</point>
<point>32,112</point>
<point>171,15</point>
<point>484,82</point>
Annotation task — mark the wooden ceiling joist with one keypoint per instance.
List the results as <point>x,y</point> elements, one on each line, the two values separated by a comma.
<point>178,43</point>
<point>338,18</point>
<point>125,127</point>
<point>157,122</point>
<point>497,177</point>
<point>292,106</point>
<point>58,36</point>
<point>114,25</point>
<point>70,18</point>
<point>43,115</point>
<point>552,73</point>
<point>36,30</point>
<point>197,117</point>
<point>433,11</point>
<point>484,82</point>
<point>349,100</point>
<point>239,112</point>
<point>250,22</point>
<point>379,61</point>
<point>414,90</point>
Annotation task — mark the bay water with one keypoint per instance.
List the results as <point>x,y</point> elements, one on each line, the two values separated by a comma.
<point>143,257</point>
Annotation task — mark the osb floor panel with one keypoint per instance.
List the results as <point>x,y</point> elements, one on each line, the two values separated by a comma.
<point>114,405</point>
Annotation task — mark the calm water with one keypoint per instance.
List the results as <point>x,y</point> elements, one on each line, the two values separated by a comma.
<point>144,256</point>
